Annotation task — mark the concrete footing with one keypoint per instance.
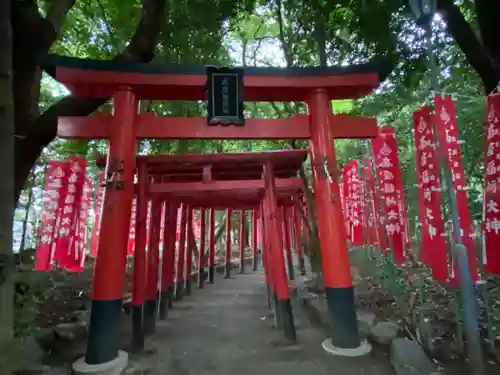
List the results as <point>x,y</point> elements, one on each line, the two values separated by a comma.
<point>114,367</point>
<point>363,349</point>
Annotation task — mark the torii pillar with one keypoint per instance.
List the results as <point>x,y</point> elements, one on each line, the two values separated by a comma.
<point>332,232</point>
<point>110,265</point>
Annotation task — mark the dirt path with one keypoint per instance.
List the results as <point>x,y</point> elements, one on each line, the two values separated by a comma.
<point>225,329</point>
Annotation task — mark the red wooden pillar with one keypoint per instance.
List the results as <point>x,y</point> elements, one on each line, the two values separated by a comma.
<point>288,246</point>
<point>139,273</point>
<point>189,250</point>
<point>227,274</point>
<point>255,219</point>
<point>201,259</point>
<point>211,246</point>
<point>265,252</point>
<point>168,258</point>
<point>297,239</point>
<point>283,304</point>
<point>109,272</point>
<point>151,302</point>
<point>181,254</point>
<point>332,232</point>
<point>242,241</point>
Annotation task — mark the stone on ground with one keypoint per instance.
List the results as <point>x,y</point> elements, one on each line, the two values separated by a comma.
<point>384,332</point>
<point>408,358</point>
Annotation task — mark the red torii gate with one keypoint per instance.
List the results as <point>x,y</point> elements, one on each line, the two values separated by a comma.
<point>207,180</point>
<point>127,83</point>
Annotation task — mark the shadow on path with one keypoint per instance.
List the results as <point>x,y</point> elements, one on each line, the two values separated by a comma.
<point>226,329</point>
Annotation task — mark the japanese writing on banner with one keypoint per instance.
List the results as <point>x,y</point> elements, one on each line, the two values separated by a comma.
<point>385,150</point>
<point>366,207</point>
<point>353,200</point>
<point>345,195</point>
<point>449,146</point>
<point>131,230</point>
<point>94,242</point>
<point>148,224</point>
<point>54,189</point>
<point>491,202</point>
<point>433,251</point>
<point>342,198</point>
<point>66,254</point>
<point>376,215</point>
<point>79,242</point>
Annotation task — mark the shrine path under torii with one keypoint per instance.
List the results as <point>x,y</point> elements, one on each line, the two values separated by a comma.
<point>227,329</point>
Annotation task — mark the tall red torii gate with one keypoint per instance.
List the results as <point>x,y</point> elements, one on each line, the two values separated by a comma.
<point>127,83</point>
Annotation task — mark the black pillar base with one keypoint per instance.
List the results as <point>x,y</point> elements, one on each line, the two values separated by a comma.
<point>102,343</point>
<point>201,278</point>
<point>179,291</point>
<point>288,323</point>
<point>227,272</point>
<point>302,265</point>
<point>269,297</point>
<point>242,266</point>
<point>291,271</point>
<point>137,344</point>
<point>343,318</point>
<point>278,313</point>
<point>255,263</point>
<point>187,285</point>
<point>149,316</point>
<point>211,274</point>
<point>164,301</point>
<point>170,296</point>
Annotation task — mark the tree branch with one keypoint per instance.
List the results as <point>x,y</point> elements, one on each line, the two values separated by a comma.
<point>475,53</point>
<point>43,130</point>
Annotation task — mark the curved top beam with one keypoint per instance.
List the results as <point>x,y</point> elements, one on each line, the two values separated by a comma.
<point>101,78</point>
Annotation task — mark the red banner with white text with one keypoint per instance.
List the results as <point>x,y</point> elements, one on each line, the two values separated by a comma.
<point>70,211</point>
<point>352,181</point>
<point>449,146</point>
<point>131,230</point>
<point>56,176</point>
<point>491,201</point>
<point>99,199</point>
<point>385,150</point>
<point>433,248</point>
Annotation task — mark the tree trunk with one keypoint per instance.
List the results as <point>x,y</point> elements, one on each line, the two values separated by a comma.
<point>218,233</point>
<point>6,190</point>
<point>26,214</point>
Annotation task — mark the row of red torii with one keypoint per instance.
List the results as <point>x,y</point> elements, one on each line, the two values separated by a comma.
<point>128,83</point>
<point>257,182</point>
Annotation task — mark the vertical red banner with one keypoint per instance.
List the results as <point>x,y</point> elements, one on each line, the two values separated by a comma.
<point>449,144</point>
<point>376,206</point>
<point>66,252</point>
<point>385,150</point>
<point>99,199</point>
<point>342,198</point>
<point>433,251</point>
<point>76,263</point>
<point>491,201</point>
<point>366,207</point>
<point>84,222</point>
<point>148,225</point>
<point>56,176</point>
<point>351,174</point>
<point>131,230</point>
